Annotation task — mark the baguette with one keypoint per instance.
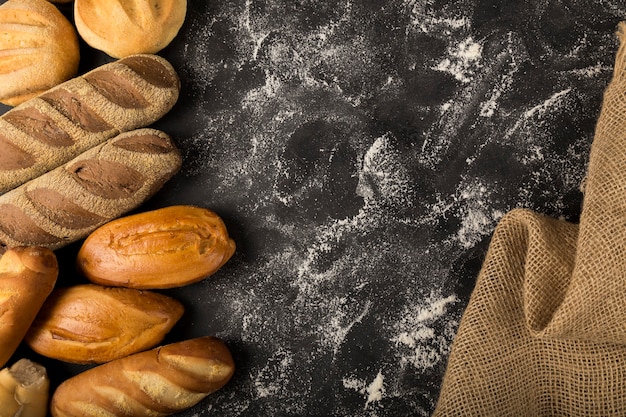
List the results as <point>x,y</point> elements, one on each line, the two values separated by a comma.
<point>69,202</point>
<point>94,324</point>
<point>27,277</point>
<point>58,125</point>
<point>158,382</point>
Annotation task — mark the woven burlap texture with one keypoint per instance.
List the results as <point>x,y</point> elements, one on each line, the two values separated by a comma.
<point>544,332</point>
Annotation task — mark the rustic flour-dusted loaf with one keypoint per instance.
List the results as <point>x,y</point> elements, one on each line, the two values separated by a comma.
<point>38,49</point>
<point>125,27</point>
<point>58,125</point>
<point>94,324</point>
<point>101,184</point>
<point>158,382</point>
<point>27,277</point>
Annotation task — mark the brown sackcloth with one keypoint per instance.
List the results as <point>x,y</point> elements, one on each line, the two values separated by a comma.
<point>544,333</point>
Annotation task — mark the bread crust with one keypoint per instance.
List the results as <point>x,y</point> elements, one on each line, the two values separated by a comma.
<point>164,248</point>
<point>38,49</point>
<point>65,121</point>
<point>126,27</point>
<point>103,183</point>
<point>161,381</point>
<point>27,277</point>
<point>94,324</point>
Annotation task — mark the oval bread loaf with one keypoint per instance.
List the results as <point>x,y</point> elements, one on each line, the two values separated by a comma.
<point>58,125</point>
<point>94,324</point>
<point>69,202</point>
<point>125,27</point>
<point>38,49</point>
<point>163,248</point>
<point>158,382</point>
<point>27,277</point>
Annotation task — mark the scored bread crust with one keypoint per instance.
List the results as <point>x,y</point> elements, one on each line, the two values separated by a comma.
<point>56,126</point>
<point>38,49</point>
<point>157,382</point>
<point>104,182</point>
<point>94,324</point>
<point>125,27</point>
<point>27,277</point>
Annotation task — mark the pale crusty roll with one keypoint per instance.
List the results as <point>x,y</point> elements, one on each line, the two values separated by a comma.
<point>38,49</point>
<point>58,125</point>
<point>95,324</point>
<point>24,390</point>
<point>101,184</point>
<point>125,27</point>
<point>27,277</point>
<point>158,382</point>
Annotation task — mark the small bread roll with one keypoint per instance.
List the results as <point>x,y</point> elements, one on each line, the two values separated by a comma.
<point>38,49</point>
<point>93,324</point>
<point>126,27</point>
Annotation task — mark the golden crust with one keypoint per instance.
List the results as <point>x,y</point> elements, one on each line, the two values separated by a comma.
<point>38,49</point>
<point>126,27</point>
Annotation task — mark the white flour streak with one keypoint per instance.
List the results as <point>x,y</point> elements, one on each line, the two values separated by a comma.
<point>463,60</point>
<point>373,392</point>
<point>334,332</point>
<point>419,338</point>
<point>554,100</point>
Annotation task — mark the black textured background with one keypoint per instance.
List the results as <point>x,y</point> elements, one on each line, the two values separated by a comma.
<point>360,153</point>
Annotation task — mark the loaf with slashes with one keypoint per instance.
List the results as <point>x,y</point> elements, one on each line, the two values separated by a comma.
<point>104,182</point>
<point>58,125</point>
<point>157,382</point>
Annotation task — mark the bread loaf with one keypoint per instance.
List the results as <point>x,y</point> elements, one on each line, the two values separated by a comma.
<point>159,382</point>
<point>94,324</point>
<point>27,277</point>
<point>58,125</point>
<point>122,27</point>
<point>69,202</point>
<point>164,248</point>
<point>24,390</point>
<point>38,49</point>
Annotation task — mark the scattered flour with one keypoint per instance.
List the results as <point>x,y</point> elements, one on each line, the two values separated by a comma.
<point>373,392</point>
<point>423,332</point>
<point>463,60</point>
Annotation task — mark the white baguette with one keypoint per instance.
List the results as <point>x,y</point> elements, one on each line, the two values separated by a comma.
<point>158,382</point>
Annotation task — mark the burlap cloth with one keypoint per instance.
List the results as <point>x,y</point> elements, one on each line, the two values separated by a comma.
<point>544,333</point>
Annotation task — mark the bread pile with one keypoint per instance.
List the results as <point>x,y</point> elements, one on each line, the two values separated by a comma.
<point>77,153</point>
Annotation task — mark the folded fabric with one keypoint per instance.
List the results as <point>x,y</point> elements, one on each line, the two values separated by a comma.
<point>544,333</point>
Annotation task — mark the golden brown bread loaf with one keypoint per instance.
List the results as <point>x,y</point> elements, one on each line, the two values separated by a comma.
<point>27,277</point>
<point>125,27</point>
<point>163,248</point>
<point>38,49</point>
<point>94,324</point>
<point>52,128</point>
<point>69,202</point>
<point>159,382</point>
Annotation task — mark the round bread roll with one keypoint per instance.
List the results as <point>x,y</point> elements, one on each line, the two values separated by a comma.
<point>126,27</point>
<point>38,49</point>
